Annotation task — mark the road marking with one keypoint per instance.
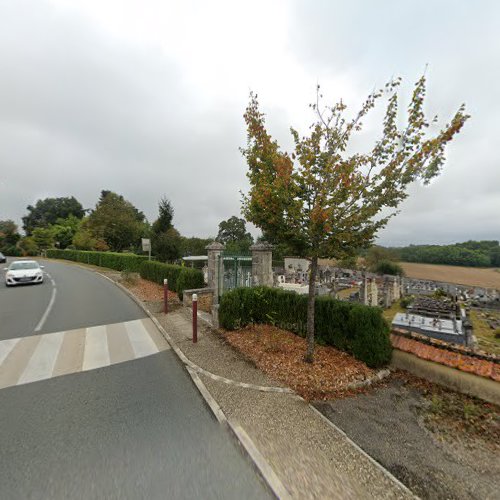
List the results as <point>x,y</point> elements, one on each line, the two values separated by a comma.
<point>96,352</point>
<point>141,342</point>
<point>5,347</point>
<point>49,307</point>
<point>38,357</point>
<point>42,361</point>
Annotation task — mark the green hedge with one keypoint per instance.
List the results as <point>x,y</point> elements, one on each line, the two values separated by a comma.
<point>357,329</point>
<point>189,278</point>
<point>111,260</point>
<point>179,278</point>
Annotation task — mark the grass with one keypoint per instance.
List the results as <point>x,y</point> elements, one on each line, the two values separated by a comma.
<point>484,334</point>
<point>391,312</point>
<point>346,292</point>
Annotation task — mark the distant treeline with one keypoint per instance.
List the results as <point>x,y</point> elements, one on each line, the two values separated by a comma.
<point>471,253</point>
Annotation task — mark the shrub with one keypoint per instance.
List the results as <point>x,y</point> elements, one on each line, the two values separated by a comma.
<point>158,271</point>
<point>112,260</point>
<point>357,329</point>
<point>189,278</point>
<point>389,267</point>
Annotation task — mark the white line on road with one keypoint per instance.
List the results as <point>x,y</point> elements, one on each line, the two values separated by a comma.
<point>49,307</point>
<point>141,342</point>
<point>96,352</point>
<point>42,362</point>
<point>5,347</point>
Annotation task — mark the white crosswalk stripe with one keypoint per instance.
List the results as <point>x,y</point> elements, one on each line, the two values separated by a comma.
<point>96,348</point>
<point>38,357</point>
<point>42,361</point>
<point>141,342</point>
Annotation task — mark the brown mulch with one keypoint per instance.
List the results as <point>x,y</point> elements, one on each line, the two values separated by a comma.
<point>280,354</point>
<point>148,291</point>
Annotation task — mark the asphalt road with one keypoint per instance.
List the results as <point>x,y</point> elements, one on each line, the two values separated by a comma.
<point>136,429</point>
<point>81,299</point>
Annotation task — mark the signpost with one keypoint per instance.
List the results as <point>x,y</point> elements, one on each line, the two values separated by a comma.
<point>146,246</point>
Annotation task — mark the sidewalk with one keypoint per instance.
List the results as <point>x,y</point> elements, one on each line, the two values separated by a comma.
<point>309,456</point>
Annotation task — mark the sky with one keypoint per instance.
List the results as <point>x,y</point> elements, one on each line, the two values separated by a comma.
<point>146,98</point>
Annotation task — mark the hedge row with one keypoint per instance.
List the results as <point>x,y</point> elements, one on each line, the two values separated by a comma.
<point>357,329</point>
<point>112,260</point>
<point>179,278</point>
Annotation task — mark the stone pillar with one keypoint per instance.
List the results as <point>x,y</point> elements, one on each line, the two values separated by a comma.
<point>214,250</point>
<point>262,264</point>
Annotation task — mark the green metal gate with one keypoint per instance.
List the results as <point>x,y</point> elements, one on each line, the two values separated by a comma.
<point>235,271</point>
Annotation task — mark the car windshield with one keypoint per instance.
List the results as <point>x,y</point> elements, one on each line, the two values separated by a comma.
<point>23,265</point>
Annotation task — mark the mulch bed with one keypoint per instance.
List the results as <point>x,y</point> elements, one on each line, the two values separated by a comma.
<point>280,354</point>
<point>147,291</point>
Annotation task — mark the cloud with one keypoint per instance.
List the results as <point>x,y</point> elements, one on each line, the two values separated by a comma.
<point>146,99</point>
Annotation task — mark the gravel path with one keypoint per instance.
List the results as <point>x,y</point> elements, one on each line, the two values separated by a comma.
<point>308,455</point>
<point>385,423</point>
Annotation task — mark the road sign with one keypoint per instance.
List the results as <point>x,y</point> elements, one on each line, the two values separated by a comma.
<point>146,244</point>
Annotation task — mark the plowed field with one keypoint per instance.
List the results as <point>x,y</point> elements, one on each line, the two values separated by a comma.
<point>473,276</point>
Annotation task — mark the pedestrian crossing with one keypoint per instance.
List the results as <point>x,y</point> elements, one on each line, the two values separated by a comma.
<point>39,357</point>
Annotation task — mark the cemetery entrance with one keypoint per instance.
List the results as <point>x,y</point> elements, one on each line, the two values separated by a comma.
<point>234,271</point>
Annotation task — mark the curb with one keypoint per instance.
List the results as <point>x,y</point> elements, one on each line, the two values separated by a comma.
<point>258,460</point>
<point>260,463</point>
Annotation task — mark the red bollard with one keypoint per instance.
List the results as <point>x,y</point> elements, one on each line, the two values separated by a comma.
<point>195,318</point>
<point>165,295</point>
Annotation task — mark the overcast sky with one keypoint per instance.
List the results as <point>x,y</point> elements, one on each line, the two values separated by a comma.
<point>145,98</point>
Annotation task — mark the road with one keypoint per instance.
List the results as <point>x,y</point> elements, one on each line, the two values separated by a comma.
<point>94,403</point>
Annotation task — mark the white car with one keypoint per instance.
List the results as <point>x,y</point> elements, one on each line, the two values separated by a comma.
<point>22,272</point>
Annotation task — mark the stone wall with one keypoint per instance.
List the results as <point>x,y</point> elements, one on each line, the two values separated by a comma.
<point>205,298</point>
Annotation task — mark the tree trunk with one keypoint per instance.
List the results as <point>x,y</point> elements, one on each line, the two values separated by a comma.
<point>310,310</point>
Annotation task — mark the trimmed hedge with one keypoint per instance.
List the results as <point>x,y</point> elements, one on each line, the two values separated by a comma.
<point>357,329</point>
<point>179,278</point>
<point>112,260</point>
<point>189,278</point>
<point>158,271</point>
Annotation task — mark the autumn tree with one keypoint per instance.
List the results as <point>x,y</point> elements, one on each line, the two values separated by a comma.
<point>327,201</point>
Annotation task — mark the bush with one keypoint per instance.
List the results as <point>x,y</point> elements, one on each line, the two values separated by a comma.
<point>179,278</point>
<point>189,278</point>
<point>12,251</point>
<point>357,329</point>
<point>389,267</point>
<point>158,271</point>
<point>111,260</point>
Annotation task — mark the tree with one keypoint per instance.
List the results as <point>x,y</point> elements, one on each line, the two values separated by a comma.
<point>9,235</point>
<point>47,211</point>
<point>64,230</point>
<point>233,233</point>
<point>27,246</point>
<point>43,238</point>
<point>165,217</point>
<point>327,201</point>
<point>167,245</point>
<point>377,254</point>
<point>388,267</point>
<point>165,239</point>
<point>194,246</point>
<point>116,222</point>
